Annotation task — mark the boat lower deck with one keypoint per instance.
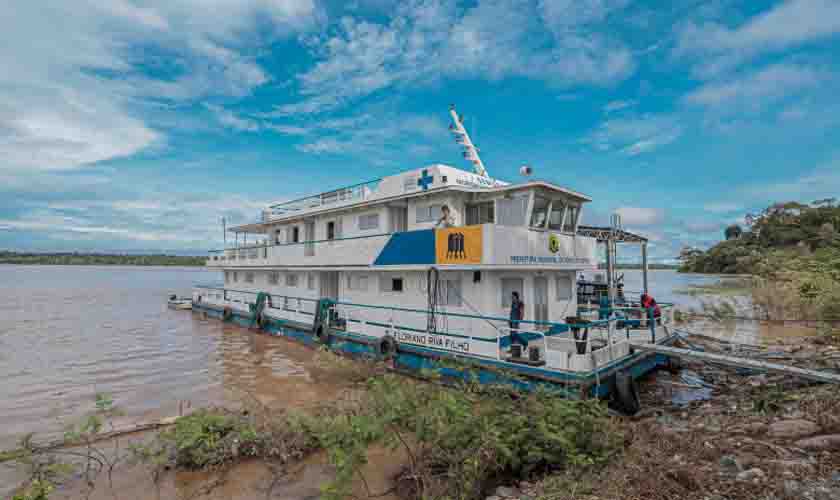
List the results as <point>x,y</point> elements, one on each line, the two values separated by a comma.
<point>588,363</point>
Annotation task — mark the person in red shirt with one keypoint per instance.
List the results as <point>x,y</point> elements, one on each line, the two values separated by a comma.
<point>649,303</point>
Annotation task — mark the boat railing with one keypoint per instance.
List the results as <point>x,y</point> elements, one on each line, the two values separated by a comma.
<point>580,345</point>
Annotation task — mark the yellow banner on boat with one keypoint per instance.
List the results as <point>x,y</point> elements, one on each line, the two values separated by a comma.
<point>458,245</point>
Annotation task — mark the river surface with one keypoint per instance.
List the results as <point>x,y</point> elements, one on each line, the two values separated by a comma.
<point>69,332</point>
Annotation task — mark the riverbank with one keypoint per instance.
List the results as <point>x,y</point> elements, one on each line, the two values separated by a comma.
<point>98,259</point>
<point>706,432</point>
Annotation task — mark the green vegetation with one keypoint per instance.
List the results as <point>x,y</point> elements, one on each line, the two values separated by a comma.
<point>793,253</point>
<point>784,231</point>
<point>97,259</point>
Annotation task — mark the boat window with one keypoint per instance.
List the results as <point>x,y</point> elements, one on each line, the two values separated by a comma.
<point>430,213</point>
<point>277,237</point>
<point>291,280</point>
<point>357,282</point>
<point>227,277</point>
<point>510,285</point>
<point>511,211</point>
<point>310,281</point>
<point>564,288</point>
<point>555,221</point>
<point>249,277</point>
<point>540,212</point>
<point>273,278</point>
<point>449,292</point>
<point>368,221</point>
<point>570,224</point>
<point>481,213</point>
<point>235,277</point>
<point>392,284</point>
<point>331,230</point>
<point>293,235</point>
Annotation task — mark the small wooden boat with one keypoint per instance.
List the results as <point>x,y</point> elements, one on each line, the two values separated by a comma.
<point>180,304</point>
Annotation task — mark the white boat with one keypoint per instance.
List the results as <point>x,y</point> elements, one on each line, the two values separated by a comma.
<point>394,273</point>
<point>173,302</point>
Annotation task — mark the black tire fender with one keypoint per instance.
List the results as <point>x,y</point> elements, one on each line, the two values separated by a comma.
<point>626,394</point>
<point>387,347</point>
<point>321,335</point>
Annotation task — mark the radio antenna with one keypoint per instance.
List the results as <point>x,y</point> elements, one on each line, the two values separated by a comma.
<point>463,139</point>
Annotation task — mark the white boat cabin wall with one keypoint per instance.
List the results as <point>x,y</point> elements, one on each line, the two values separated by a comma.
<point>362,245</point>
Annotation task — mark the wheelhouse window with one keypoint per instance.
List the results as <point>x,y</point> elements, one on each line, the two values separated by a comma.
<point>511,211</point>
<point>539,214</point>
<point>249,277</point>
<point>291,280</point>
<point>273,278</point>
<point>570,224</point>
<point>481,213</point>
<point>555,220</point>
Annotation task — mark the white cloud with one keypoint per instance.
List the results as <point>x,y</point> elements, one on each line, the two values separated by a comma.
<point>426,40</point>
<point>635,136</point>
<point>639,216</point>
<point>231,120</point>
<point>75,88</point>
<point>821,182</point>
<point>614,106</point>
<point>754,91</point>
<point>788,24</point>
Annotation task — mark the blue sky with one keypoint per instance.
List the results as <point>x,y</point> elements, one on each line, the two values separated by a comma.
<point>137,125</point>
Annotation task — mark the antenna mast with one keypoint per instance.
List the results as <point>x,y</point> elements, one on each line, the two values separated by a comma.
<point>463,139</point>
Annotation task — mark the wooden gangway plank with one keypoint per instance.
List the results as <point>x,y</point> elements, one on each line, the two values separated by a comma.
<point>739,362</point>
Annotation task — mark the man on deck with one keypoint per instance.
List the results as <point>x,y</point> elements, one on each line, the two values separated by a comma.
<point>517,314</point>
<point>649,303</point>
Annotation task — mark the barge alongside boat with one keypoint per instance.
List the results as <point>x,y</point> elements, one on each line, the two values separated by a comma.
<point>420,268</point>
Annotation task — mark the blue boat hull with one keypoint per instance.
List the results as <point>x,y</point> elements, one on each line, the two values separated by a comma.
<point>416,360</point>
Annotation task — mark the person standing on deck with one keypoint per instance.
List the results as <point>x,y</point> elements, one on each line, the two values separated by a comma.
<point>446,219</point>
<point>517,314</point>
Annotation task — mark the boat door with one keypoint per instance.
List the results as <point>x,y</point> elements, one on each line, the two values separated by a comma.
<point>399,219</point>
<point>540,300</point>
<point>309,238</point>
<point>329,285</point>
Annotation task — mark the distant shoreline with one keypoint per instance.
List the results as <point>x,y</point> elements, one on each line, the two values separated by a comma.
<point>96,259</point>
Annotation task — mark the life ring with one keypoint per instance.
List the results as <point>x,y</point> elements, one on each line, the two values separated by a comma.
<point>386,347</point>
<point>227,313</point>
<point>626,393</point>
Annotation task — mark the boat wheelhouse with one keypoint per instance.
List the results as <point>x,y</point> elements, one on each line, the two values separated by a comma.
<point>422,265</point>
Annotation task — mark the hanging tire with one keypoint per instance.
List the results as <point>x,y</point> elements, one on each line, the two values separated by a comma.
<point>321,335</point>
<point>227,313</point>
<point>387,347</point>
<point>626,394</point>
<point>262,320</point>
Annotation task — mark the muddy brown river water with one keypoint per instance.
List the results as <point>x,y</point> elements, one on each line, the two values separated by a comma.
<point>69,332</point>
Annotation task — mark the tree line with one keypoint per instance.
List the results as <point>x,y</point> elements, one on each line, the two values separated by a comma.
<point>98,259</point>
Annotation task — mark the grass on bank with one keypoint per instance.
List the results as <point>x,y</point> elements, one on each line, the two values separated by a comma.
<point>460,441</point>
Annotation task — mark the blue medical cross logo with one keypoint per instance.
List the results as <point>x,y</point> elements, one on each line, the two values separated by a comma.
<point>425,179</point>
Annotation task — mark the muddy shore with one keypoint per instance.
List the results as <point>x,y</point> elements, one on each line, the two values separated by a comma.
<point>705,432</point>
